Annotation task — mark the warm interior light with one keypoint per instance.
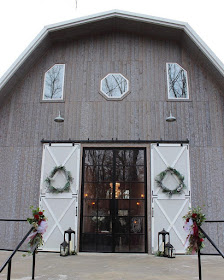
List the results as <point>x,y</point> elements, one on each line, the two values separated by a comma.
<point>138,203</point>
<point>135,222</point>
<point>93,203</point>
<point>117,191</point>
<point>142,195</point>
<point>86,194</point>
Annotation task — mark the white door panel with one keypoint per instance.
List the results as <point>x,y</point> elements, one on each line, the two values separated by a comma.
<point>60,209</point>
<point>168,211</point>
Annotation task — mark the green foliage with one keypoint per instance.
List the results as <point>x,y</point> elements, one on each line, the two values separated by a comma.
<point>159,180</point>
<point>159,254</point>
<point>68,176</point>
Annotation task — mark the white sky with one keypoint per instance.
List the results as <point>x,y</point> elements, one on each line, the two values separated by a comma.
<point>22,20</point>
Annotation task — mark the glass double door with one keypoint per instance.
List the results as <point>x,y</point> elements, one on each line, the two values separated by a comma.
<point>113,215</point>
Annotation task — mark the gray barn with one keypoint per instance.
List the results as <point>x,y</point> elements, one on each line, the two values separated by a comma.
<point>138,95</point>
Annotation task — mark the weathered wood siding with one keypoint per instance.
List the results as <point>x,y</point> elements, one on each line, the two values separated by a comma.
<point>24,120</point>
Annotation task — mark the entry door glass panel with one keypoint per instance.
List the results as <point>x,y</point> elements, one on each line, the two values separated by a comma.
<point>113,200</point>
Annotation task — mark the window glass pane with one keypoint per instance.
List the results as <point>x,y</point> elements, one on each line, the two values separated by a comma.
<point>137,225</point>
<point>177,81</point>
<point>137,243</point>
<point>104,224</point>
<point>89,225</point>
<point>130,173</point>
<point>122,225</point>
<point>89,190</point>
<point>114,85</point>
<point>104,207</point>
<point>105,173</point>
<point>91,173</point>
<point>104,190</point>
<point>137,207</point>
<point>89,207</point>
<point>130,157</point>
<point>104,242</point>
<point>122,190</point>
<point>122,243</point>
<point>89,242</point>
<point>98,157</point>
<point>123,207</point>
<point>53,83</point>
<point>137,190</point>
<point>131,190</point>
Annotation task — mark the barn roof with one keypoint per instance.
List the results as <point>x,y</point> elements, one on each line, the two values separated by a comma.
<point>101,23</point>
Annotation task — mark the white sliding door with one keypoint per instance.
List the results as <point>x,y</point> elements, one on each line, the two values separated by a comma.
<point>167,211</point>
<point>61,209</point>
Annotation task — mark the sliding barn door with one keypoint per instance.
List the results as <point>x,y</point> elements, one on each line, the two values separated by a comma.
<point>167,211</point>
<point>60,208</point>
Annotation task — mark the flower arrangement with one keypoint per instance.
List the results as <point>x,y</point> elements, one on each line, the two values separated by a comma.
<point>38,221</point>
<point>193,219</point>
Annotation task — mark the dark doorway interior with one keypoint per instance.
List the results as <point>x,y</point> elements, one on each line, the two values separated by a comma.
<point>113,215</point>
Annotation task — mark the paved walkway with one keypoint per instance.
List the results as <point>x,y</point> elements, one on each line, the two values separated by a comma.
<point>50,266</point>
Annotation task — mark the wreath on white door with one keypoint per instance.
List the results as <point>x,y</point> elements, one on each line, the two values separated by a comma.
<point>159,180</point>
<point>67,185</point>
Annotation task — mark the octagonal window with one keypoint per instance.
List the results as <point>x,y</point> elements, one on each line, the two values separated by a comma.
<point>114,86</point>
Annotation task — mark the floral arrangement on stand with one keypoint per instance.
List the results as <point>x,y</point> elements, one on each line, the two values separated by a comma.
<point>195,239</point>
<point>39,224</point>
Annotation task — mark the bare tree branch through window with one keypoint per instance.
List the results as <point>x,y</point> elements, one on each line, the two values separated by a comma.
<point>53,83</point>
<point>114,85</point>
<point>177,81</point>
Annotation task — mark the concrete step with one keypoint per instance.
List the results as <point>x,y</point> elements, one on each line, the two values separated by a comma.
<point>99,266</point>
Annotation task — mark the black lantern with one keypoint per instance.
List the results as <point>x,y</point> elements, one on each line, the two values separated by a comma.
<point>64,248</point>
<point>170,251</point>
<point>163,233</point>
<point>71,246</point>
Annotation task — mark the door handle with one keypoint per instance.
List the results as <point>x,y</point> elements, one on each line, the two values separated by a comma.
<point>76,211</point>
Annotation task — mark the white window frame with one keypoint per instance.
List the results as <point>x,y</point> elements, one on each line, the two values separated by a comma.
<point>63,79</point>
<point>167,77</point>
<point>111,97</point>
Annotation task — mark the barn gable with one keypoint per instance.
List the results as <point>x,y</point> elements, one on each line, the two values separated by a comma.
<point>111,21</point>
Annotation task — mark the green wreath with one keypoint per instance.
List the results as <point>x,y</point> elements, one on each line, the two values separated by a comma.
<point>68,176</point>
<point>159,180</point>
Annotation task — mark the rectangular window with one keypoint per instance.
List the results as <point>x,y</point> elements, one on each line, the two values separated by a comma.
<point>54,83</point>
<point>177,82</point>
